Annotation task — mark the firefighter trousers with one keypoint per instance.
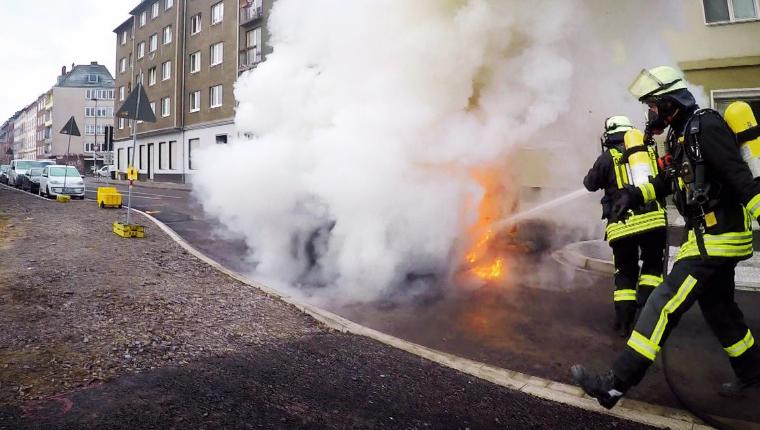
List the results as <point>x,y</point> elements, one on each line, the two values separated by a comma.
<point>707,282</point>
<point>633,285</point>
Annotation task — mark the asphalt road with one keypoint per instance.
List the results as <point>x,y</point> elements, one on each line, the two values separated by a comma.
<point>541,320</point>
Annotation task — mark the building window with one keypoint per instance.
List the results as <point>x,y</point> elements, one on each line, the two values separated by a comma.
<point>143,18</point>
<point>99,93</point>
<point>152,76</point>
<point>172,151</point>
<point>140,157</point>
<point>195,24</point>
<point>221,139</point>
<point>722,98</point>
<point>122,94</point>
<point>192,146</point>
<point>154,10</point>
<point>217,54</point>
<point>217,13</point>
<point>168,4</point>
<point>195,101</point>
<point>153,107</point>
<point>153,42</point>
<point>167,35</point>
<point>166,70</point>
<point>99,112</point>
<point>725,11</point>
<point>161,155</point>
<point>90,129</point>
<point>215,96</point>
<point>140,50</point>
<point>124,37</point>
<point>122,65</point>
<point>92,78</point>
<point>166,106</point>
<point>121,123</point>
<point>195,62</point>
<point>130,156</point>
<point>120,158</point>
<point>89,147</point>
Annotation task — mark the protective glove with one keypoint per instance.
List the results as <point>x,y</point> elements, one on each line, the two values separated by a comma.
<point>626,199</point>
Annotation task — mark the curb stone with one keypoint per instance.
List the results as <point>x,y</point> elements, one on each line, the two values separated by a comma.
<point>572,256</point>
<point>631,410</point>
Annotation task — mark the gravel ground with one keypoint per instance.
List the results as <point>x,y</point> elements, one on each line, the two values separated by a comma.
<point>104,332</point>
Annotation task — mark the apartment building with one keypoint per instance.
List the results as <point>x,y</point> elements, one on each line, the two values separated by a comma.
<point>187,54</point>
<point>84,92</point>
<point>6,139</point>
<point>726,59</point>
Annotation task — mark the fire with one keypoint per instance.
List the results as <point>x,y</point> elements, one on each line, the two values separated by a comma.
<point>484,261</point>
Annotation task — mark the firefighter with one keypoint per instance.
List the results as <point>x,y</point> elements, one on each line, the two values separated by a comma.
<point>714,190</point>
<point>642,235</point>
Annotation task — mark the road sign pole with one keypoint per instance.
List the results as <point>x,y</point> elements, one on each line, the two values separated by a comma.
<point>134,147</point>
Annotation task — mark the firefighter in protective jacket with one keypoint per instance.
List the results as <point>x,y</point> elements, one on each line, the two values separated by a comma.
<point>714,191</point>
<point>641,235</point>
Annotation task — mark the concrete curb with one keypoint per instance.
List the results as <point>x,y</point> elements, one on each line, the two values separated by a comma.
<point>571,256</point>
<point>632,410</point>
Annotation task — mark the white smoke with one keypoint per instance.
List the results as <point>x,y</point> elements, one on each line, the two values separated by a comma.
<point>369,115</point>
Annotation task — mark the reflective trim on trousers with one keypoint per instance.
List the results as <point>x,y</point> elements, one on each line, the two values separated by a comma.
<point>650,280</point>
<point>624,295</point>
<point>739,348</point>
<point>670,307</point>
<point>639,343</point>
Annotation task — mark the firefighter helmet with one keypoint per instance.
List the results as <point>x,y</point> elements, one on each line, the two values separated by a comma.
<point>657,81</point>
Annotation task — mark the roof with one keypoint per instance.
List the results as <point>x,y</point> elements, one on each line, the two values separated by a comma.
<point>141,6</point>
<point>123,25</point>
<point>81,77</point>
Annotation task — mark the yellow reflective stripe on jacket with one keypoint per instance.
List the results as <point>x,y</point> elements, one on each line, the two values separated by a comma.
<point>741,347</point>
<point>753,207</point>
<point>650,280</point>
<point>647,190</point>
<point>728,245</point>
<point>670,307</point>
<point>621,173</point>
<point>636,224</point>
<point>624,295</point>
<point>643,346</point>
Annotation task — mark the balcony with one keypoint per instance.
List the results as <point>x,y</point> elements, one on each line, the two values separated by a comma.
<point>249,58</point>
<point>250,15</point>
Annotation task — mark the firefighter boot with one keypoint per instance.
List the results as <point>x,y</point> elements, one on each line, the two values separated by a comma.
<point>607,389</point>
<point>740,387</point>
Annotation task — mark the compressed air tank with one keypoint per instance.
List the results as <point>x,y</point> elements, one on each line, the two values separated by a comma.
<point>639,164</point>
<point>740,118</point>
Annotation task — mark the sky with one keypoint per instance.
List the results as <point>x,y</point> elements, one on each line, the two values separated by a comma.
<point>38,37</point>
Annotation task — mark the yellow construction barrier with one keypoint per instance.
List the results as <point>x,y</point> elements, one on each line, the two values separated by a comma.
<point>62,198</point>
<point>128,230</point>
<point>109,197</point>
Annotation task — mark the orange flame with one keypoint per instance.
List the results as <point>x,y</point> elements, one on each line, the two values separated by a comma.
<point>483,260</point>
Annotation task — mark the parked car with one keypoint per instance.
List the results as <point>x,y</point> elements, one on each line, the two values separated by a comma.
<point>4,170</point>
<point>20,167</point>
<point>31,180</point>
<point>105,171</point>
<point>61,180</point>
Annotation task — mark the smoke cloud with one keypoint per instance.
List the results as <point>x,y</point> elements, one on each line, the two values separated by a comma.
<point>366,123</point>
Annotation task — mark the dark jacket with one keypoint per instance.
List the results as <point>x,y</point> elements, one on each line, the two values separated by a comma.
<point>731,182</point>
<point>601,176</point>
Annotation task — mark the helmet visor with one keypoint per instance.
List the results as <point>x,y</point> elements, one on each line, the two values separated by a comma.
<point>645,84</point>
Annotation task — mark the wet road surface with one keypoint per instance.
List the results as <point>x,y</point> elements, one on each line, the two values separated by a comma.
<point>539,321</point>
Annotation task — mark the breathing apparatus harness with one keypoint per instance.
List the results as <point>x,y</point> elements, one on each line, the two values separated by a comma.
<point>694,196</point>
